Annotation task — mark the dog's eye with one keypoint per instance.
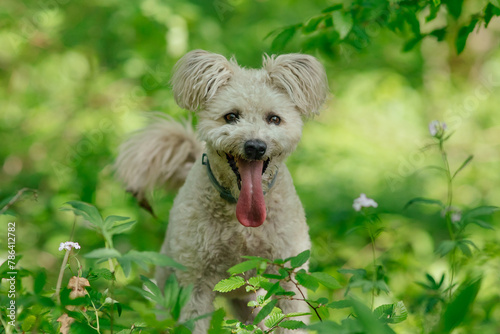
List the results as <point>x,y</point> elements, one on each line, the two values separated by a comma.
<point>231,117</point>
<point>273,119</point>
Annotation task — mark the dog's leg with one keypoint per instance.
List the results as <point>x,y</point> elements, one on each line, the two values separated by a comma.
<point>199,304</point>
<point>240,307</point>
<point>243,312</point>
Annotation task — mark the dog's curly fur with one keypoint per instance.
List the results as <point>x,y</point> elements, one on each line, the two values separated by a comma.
<point>250,120</point>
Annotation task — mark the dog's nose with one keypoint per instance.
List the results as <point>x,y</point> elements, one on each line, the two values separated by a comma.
<point>255,149</point>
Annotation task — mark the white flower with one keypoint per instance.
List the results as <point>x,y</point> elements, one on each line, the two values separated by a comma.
<point>436,128</point>
<point>456,217</point>
<point>454,212</point>
<point>363,201</point>
<point>68,245</point>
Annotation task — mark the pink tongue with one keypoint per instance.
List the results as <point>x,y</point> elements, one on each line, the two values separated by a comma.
<point>251,208</point>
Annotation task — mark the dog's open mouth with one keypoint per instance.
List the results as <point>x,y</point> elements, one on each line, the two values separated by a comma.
<point>251,207</point>
<point>234,166</point>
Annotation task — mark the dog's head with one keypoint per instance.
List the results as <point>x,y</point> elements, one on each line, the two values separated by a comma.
<point>250,119</point>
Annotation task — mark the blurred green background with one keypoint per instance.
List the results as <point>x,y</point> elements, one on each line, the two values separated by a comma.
<point>77,76</point>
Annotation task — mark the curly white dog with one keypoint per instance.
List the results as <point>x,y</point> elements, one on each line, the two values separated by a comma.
<point>238,197</point>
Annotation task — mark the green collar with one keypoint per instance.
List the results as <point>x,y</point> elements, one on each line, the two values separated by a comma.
<point>224,192</point>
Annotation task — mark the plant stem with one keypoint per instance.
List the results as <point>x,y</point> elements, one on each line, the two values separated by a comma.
<point>449,202</point>
<point>65,261</point>
<point>112,269</point>
<point>110,261</point>
<point>450,190</point>
<point>303,296</point>
<point>16,198</point>
<point>96,316</point>
<point>61,274</point>
<point>374,279</point>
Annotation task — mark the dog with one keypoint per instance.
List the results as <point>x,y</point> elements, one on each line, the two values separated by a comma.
<point>237,197</point>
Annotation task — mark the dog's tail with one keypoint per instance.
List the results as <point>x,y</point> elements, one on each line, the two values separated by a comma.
<point>161,154</point>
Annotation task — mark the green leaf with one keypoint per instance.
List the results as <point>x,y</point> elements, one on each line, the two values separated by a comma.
<point>464,248</point>
<point>422,200</point>
<point>307,281</point>
<point>460,306</point>
<point>274,318</point>
<point>274,288</point>
<point>110,220</point>
<point>181,329</point>
<point>103,254</point>
<point>454,7</point>
<point>142,292</point>
<point>327,280</point>
<point>342,23</point>
<point>480,211</point>
<point>101,273</point>
<point>411,19</point>
<point>300,259</point>
<point>312,24</point>
<point>257,281</point>
<point>292,324</point>
<point>391,313</point>
<point>445,247</point>
<point>464,164</point>
<point>28,322</point>
<point>434,10</point>
<point>156,294</point>
<point>282,274</point>
<point>265,311</point>
<point>354,272</point>
<point>244,266</point>
<point>369,321</point>
<point>171,291</point>
<point>40,280</point>
<point>183,298</point>
<point>492,9</point>
<point>297,314</point>
<point>468,242</point>
<point>86,211</point>
<point>280,41</point>
<point>463,34</point>
<point>339,304</point>
<point>481,223</point>
<point>230,284</point>
<point>216,323</point>
<point>120,228</point>
<point>126,264</point>
<point>440,34</point>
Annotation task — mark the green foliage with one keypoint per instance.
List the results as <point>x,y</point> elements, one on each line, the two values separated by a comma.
<point>229,284</point>
<point>273,317</point>
<point>459,307</point>
<point>435,293</point>
<point>391,313</point>
<point>355,24</point>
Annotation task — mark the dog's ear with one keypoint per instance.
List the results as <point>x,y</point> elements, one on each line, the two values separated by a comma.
<point>302,77</point>
<point>197,76</point>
